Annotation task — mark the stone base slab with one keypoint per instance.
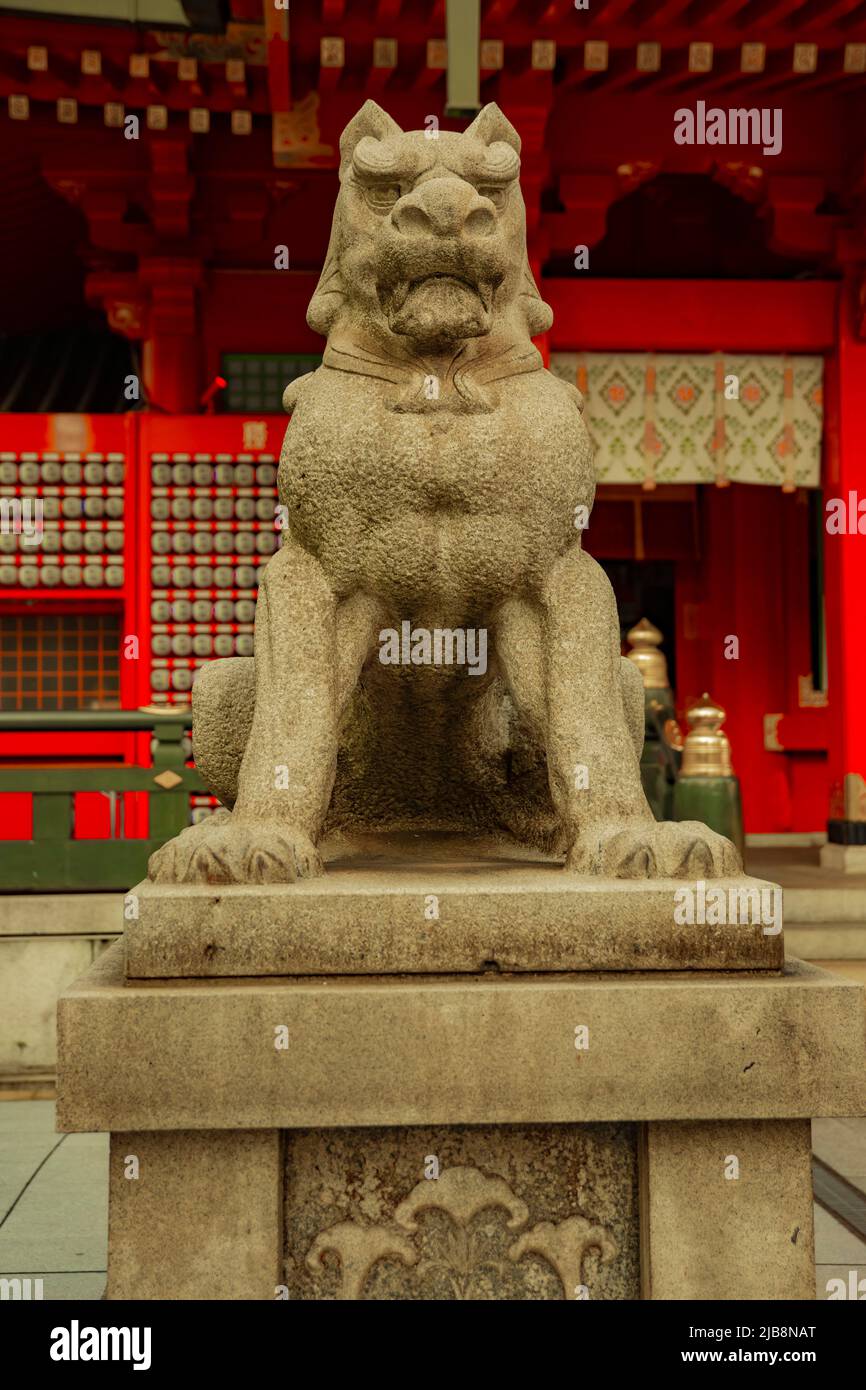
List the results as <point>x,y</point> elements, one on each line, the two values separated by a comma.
<point>408,918</point>
<point>260,1054</point>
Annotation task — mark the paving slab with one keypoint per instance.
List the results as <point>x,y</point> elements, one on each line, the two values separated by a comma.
<point>825,1272</point>
<point>834,1243</point>
<point>841,1144</point>
<point>60,1222</point>
<point>79,1288</point>
<point>27,1136</point>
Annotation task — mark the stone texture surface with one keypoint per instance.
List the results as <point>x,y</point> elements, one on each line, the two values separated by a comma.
<point>201,1221</point>
<point>458,1050</point>
<point>62,914</point>
<point>435,474</point>
<point>512,1213</point>
<point>46,941</point>
<point>40,970</point>
<point>823,941</point>
<point>708,1236</point>
<point>411,917</point>
<point>846,859</point>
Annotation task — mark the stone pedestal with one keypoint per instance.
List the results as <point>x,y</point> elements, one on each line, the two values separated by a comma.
<point>455,913</point>
<point>603,1134</point>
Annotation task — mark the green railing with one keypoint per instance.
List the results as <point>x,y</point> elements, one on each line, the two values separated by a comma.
<point>52,861</point>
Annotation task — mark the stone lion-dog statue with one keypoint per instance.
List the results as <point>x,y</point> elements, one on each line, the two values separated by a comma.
<point>432,474</point>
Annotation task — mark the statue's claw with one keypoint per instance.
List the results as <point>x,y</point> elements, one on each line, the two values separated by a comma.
<point>661,849</point>
<point>224,849</point>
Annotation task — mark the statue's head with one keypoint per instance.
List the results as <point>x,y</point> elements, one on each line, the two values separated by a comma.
<point>429,234</point>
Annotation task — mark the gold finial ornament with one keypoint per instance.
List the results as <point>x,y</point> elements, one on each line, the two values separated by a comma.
<point>645,640</point>
<point>707,751</point>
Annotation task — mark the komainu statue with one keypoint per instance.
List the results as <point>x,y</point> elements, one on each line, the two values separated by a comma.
<point>434,650</point>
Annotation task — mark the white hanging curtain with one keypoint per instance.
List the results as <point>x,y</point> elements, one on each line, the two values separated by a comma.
<point>700,417</point>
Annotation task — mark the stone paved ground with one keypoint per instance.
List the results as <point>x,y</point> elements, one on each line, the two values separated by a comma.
<point>53,1218</point>
<point>53,1209</point>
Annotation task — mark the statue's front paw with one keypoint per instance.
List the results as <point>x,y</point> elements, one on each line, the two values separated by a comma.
<point>223,849</point>
<point>167,864</point>
<point>654,849</point>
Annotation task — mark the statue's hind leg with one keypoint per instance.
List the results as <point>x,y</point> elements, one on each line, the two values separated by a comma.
<point>223,695</point>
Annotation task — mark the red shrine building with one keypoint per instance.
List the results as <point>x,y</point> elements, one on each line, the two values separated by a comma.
<point>694,175</point>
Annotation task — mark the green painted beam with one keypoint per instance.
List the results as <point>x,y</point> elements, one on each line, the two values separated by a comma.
<point>87,721</point>
<point>59,780</point>
<point>52,817</point>
<point>168,13</point>
<point>57,866</point>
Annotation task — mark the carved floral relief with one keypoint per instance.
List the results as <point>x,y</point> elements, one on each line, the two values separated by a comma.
<point>456,1255</point>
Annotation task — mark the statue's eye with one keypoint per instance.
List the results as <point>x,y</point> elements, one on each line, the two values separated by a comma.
<point>382,195</point>
<point>496,194</point>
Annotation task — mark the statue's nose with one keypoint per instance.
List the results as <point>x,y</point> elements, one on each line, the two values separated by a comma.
<point>444,207</point>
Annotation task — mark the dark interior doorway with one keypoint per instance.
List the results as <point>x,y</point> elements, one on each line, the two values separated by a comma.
<point>645,589</point>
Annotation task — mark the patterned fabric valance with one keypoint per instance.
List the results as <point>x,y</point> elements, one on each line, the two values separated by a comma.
<point>700,418</point>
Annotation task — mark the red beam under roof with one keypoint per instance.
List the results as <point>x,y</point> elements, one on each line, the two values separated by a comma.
<point>777,12</point>
<point>725,10</point>
<point>668,12</point>
<point>692,315</point>
<point>556,11</point>
<point>827,13</point>
<point>498,11</point>
<point>612,11</point>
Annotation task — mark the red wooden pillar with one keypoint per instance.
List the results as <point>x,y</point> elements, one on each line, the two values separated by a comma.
<point>172,350</point>
<point>157,306</point>
<point>845,586</point>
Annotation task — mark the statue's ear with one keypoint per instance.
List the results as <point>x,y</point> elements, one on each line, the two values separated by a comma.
<point>537,314</point>
<point>490,125</point>
<point>370,120</point>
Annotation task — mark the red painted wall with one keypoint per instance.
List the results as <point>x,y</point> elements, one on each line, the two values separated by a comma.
<point>752,584</point>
